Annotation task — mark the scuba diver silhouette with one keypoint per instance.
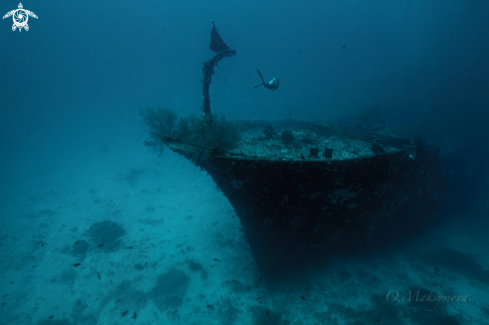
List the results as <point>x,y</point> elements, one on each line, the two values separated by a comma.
<point>272,84</point>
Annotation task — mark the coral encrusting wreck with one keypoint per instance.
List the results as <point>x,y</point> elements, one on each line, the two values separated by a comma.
<point>331,189</point>
<point>303,190</point>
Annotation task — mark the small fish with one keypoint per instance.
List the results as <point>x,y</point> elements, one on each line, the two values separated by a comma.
<point>302,156</point>
<point>76,243</point>
<point>124,313</point>
<point>344,47</point>
<point>302,297</point>
<point>5,295</point>
<point>298,51</point>
<point>268,311</point>
<point>221,297</point>
<point>51,317</point>
<point>42,244</point>
<point>135,315</point>
<point>257,298</point>
<point>130,247</point>
<point>76,264</point>
<point>101,245</point>
<point>4,303</point>
<point>260,278</point>
<point>216,260</point>
<point>437,269</point>
<point>99,277</point>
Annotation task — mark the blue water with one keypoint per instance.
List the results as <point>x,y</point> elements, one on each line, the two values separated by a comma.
<point>72,158</point>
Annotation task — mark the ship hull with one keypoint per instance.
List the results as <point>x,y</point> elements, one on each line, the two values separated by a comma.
<point>298,212</point>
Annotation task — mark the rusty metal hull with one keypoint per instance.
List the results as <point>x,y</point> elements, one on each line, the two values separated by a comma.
<point>297,212</point>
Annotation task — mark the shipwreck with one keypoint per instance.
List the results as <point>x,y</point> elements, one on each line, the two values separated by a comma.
<point>303,190</point>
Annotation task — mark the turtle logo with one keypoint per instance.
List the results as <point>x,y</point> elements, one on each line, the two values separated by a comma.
<point>20,17</point>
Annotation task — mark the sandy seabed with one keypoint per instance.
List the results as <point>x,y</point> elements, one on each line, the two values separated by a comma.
<point>106,232</point>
